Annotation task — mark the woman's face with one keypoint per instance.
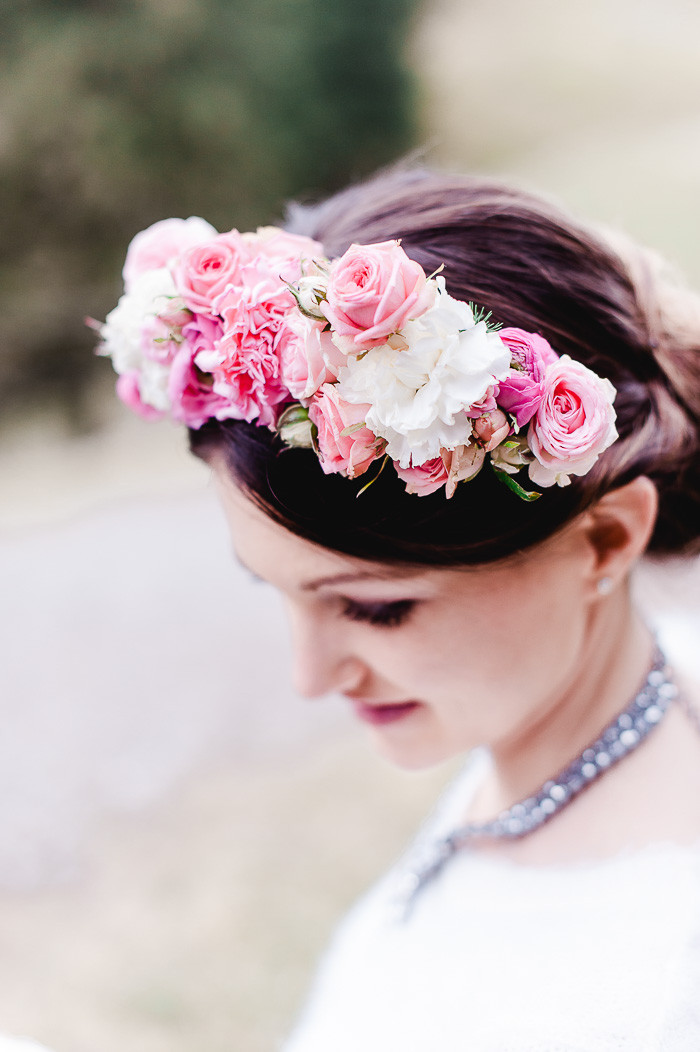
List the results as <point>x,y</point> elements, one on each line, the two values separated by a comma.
<point>433,661</point>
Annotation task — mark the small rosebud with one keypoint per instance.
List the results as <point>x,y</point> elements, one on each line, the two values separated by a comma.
<point>511,456</point>
<point>295,429</point>
<point>491,429</point>
<point>310,291</point>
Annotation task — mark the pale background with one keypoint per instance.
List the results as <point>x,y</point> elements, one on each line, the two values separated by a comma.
<point>178,832</point>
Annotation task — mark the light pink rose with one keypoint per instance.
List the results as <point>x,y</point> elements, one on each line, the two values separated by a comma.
<point>373,290</point>
<point>128,392</point>
<point>491,429</point>
<point>520,393</point>
<point>351,454</point>
<point>462,464</point>
<point>485,405</point>
<point>160,342</point>
<point>190,389</point>
<point>156,246</point>
<point>285,251</point>
<point>204,272</point>
<point>310,360</point>
<point>424,478</point>
<point>573,425</point>
<point>247,361</point>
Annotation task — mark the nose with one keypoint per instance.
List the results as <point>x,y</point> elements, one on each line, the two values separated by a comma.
<point>322,660</point>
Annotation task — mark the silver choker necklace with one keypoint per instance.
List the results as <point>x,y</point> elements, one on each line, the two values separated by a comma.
<point>621,737</point>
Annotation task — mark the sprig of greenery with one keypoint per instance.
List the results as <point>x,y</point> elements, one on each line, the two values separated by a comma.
<point>481,314</point>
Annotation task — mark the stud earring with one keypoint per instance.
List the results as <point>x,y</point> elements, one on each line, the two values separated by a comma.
<point>605,586</point>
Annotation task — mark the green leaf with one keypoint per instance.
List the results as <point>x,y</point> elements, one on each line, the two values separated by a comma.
<point>509,481</point>
<point>372,480</point>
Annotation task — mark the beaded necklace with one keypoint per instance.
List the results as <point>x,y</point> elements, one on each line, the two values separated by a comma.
<point>620,737</point>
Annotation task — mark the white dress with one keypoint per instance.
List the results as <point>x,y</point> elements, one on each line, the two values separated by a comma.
<point>500,957</point>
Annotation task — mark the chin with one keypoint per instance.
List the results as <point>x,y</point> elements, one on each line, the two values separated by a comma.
<point>413,756</point>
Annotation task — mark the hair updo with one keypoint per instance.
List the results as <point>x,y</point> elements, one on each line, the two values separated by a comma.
<point>594,296</point>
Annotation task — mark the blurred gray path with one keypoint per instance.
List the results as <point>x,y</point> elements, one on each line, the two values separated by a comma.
<point>132,649</point>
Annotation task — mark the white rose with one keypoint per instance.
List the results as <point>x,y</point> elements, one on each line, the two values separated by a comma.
<point>419,394</point>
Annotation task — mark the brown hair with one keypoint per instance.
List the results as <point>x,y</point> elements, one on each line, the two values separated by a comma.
<point>594,296</point>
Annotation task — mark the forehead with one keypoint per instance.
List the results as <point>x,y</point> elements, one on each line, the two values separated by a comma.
<point>291,562</point>
<point>268,549</point>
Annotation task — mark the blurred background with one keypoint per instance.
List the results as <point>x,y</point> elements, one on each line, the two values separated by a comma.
<point>178,832</point>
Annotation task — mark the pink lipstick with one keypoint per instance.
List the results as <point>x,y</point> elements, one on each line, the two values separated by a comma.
<point>379,715</point>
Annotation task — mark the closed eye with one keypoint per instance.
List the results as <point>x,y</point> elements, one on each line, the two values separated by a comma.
<point>386,615</point>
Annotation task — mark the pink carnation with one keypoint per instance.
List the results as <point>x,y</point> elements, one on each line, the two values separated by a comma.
<point>423,478</point>
<point>156,246</point>
<point>204,272</point>
<point>520,393</point>
<point>190,389</point>
<point>247,361</point>
<point>373,290</point>
<point>348,453</point>
<point>575,422</point>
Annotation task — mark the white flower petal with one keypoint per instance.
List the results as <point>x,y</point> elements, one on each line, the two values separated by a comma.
<point>418,396</point>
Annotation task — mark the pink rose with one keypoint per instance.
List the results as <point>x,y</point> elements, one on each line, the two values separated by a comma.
<point>247,361</point>
<point>156,246</point>
<point>190,389</point>
<point>521,391</point>
<point>128,392</point>
<point>349,453</point>
<point>373,290</point>
<point>160,341</point>
<point>462,464</point>
<point>204,272</point>
<point>423,478</point>
<point>491,429</point>
<point>310,360</point>
<point>284,251</point>
<point>573,425</point>
<point>485,405</point>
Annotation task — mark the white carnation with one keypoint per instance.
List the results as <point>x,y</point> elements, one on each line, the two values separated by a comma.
<point>122,332</point>
<point>418,395</point>
<point>153,384</point>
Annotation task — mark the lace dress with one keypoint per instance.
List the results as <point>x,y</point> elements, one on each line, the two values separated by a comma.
<point>500,957</point>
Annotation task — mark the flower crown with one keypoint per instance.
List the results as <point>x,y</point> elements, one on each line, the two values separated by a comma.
<point>363,359</point>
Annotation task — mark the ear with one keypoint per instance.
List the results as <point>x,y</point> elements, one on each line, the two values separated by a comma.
<point>618,529</point>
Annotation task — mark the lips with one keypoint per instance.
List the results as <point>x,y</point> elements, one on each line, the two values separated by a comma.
<point>378,714</point>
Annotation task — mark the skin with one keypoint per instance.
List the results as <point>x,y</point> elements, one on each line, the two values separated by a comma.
<point>524,656</point>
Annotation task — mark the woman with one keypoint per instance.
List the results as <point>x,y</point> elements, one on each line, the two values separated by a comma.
<point>448,455</point>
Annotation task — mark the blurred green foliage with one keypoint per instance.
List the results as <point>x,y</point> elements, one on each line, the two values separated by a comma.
<point>116,113</point>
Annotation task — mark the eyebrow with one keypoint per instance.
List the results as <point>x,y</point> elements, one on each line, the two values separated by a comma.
<point>330,579</point>
<point>345,578</point>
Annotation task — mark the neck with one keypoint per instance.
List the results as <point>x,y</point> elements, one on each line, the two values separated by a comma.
<point>611,666</point>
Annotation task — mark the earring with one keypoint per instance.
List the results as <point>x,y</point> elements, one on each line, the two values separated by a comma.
<point>605,586</point>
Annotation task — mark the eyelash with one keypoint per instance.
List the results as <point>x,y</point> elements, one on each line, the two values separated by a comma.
<point>385,615</point>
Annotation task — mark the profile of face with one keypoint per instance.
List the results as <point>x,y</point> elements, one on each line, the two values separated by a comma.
<point>433,660</point>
